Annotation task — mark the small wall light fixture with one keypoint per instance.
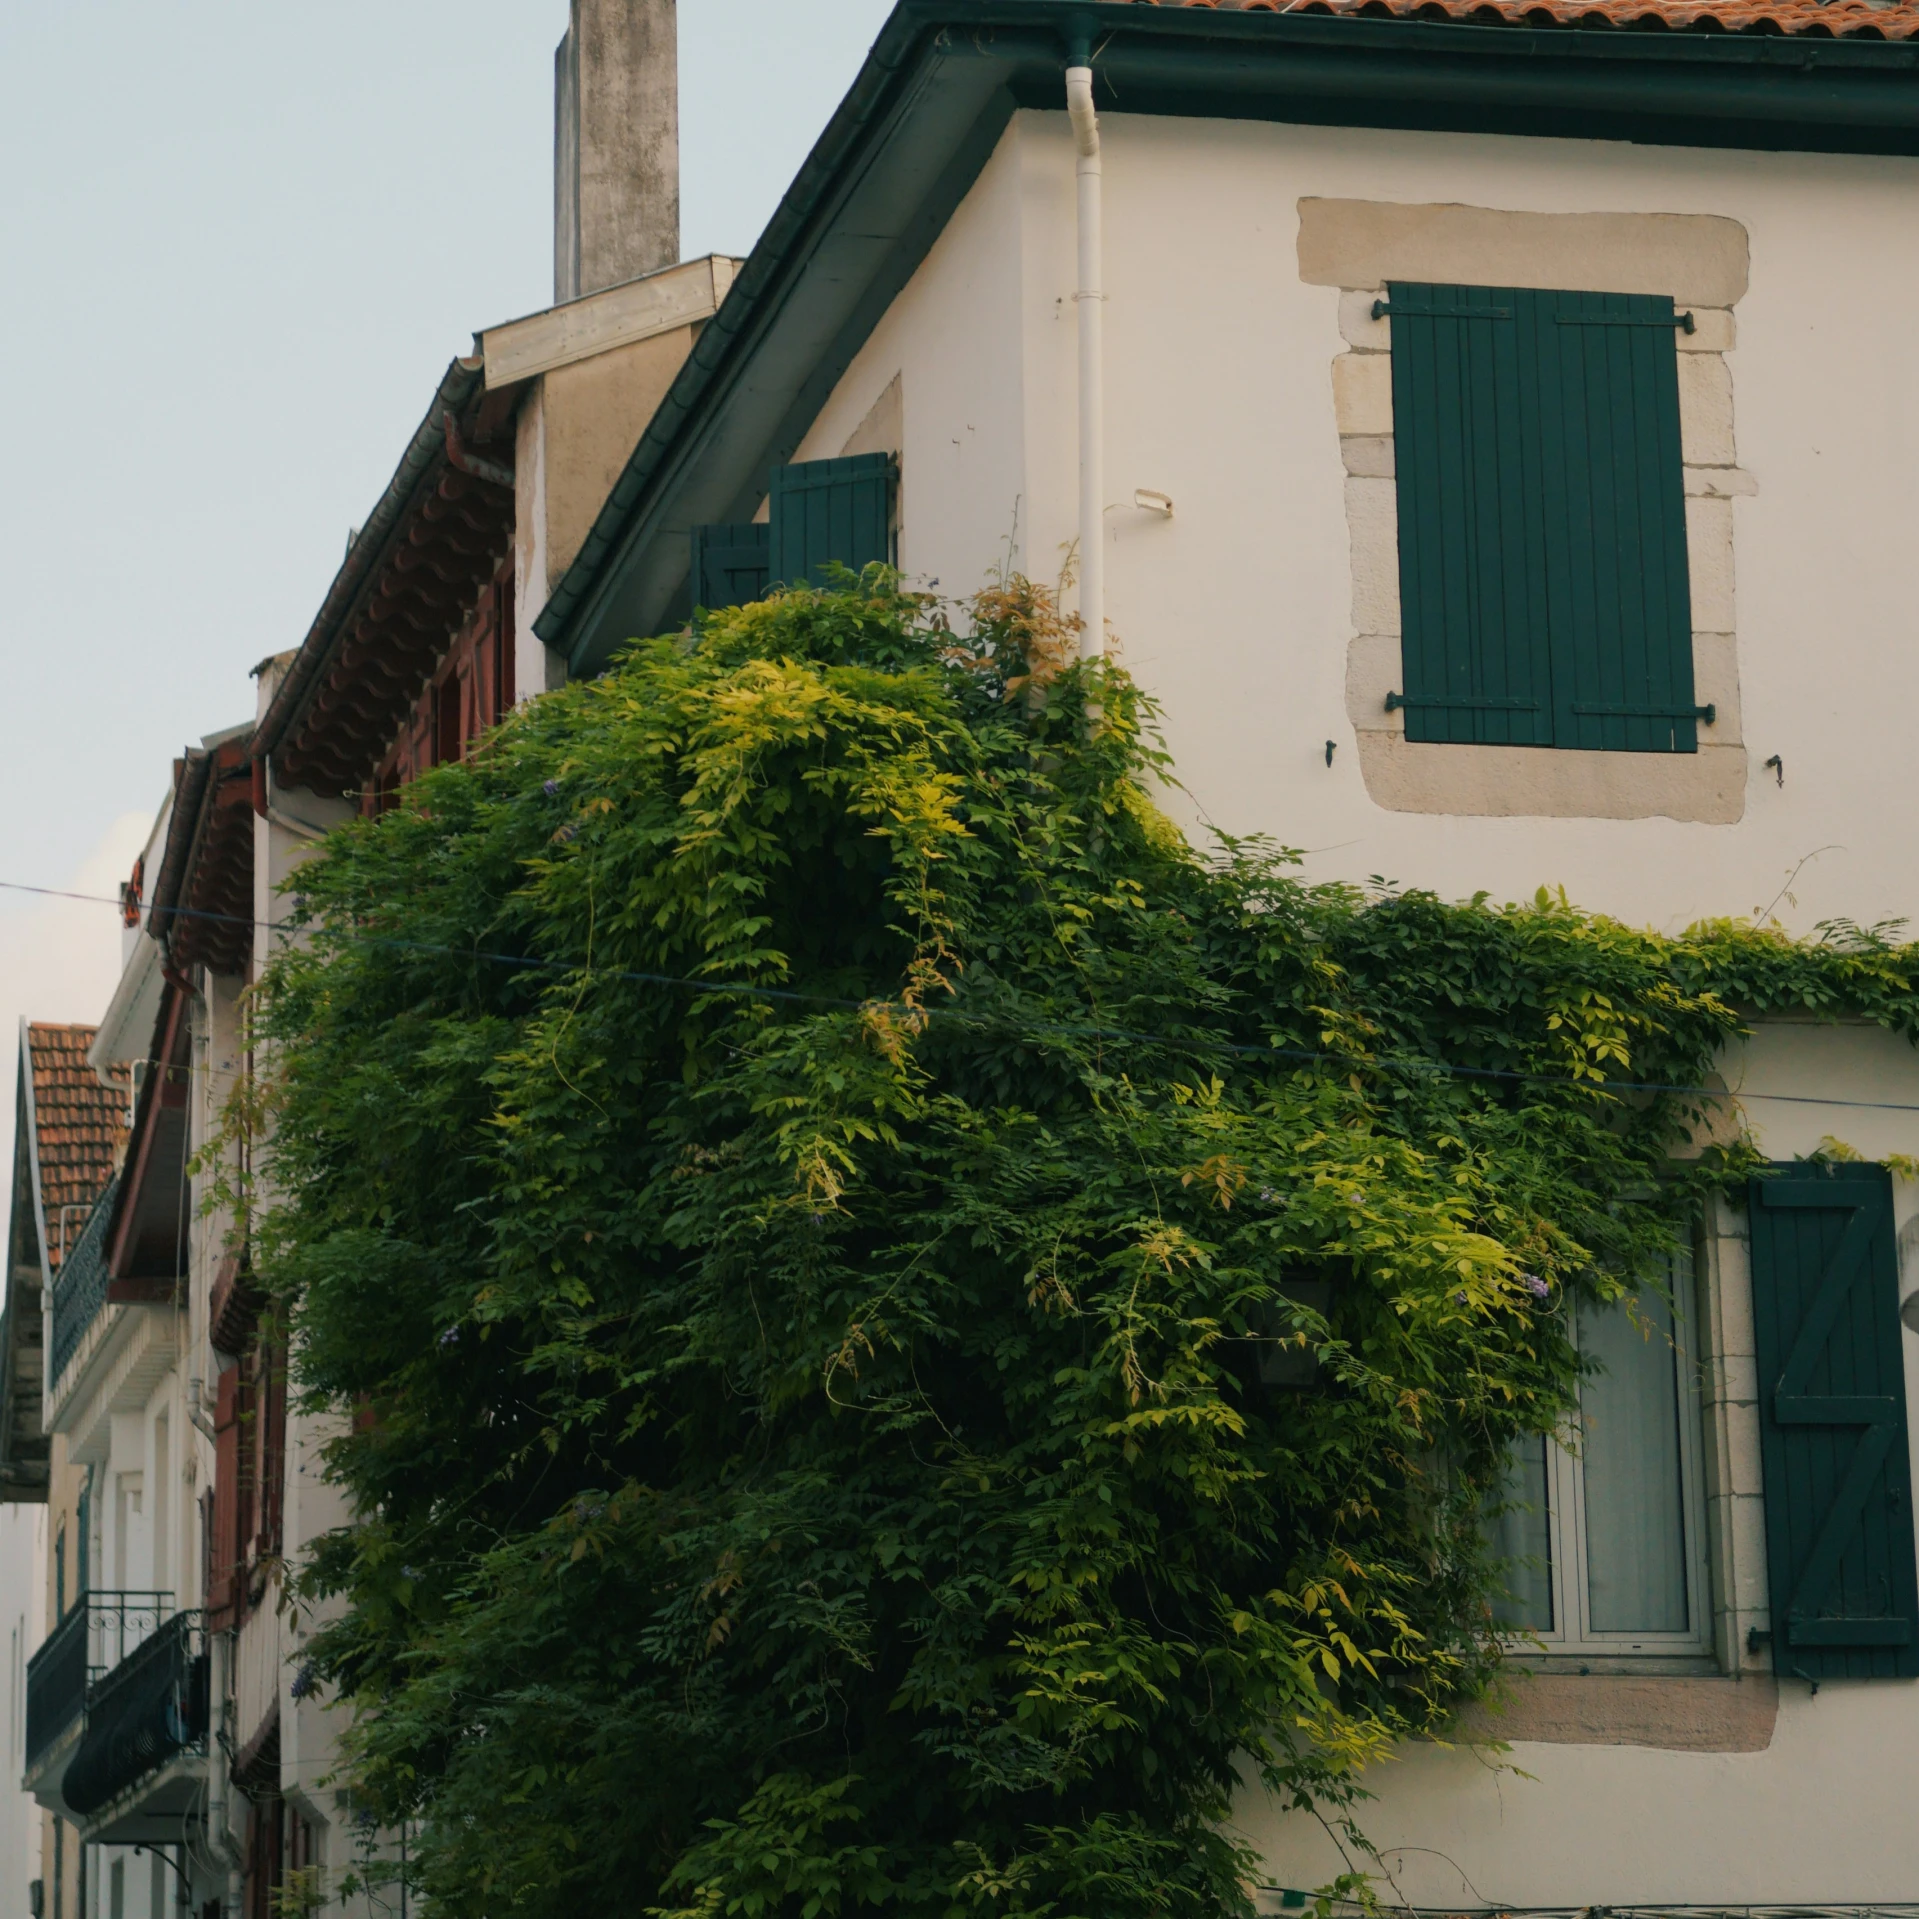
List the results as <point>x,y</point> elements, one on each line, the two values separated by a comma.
<point>1148,500</point>
<point>1777,767</point>
<point>1330,744</point>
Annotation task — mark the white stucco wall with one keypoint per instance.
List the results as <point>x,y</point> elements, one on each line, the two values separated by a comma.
<point>23,1581</point>
<point>1237,613</point>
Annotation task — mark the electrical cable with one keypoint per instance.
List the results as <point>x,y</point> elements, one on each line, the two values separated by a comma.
<point>1420,1068</point>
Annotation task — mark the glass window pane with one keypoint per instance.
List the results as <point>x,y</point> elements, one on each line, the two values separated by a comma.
<point>1521,1535</point>
<point>1635,1511</point>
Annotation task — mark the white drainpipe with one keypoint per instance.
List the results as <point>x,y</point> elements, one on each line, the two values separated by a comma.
<point>1091,301</point>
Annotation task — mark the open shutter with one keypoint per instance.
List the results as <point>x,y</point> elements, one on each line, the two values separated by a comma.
<point>223,1541</point>
<point>729,564</point>
<point>1544,595</point>
<point>827,512</point>
<point>1838,1479</point>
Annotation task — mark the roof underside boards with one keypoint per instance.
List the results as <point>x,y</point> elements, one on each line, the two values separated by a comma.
<point>945,75</point>
<point>410,579</point>
<point>148,1235</point>
<point>202,904</point>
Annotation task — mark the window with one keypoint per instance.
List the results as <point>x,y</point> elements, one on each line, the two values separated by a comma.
<point>820,513</point>
<point>1544,593</point>
<point>1604,1543</point>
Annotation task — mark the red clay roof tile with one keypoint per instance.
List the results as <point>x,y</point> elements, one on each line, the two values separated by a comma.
<point>1822,19</point>
<point>80,1128</point>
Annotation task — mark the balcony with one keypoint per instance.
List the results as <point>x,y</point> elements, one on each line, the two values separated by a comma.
<point>100,1631</point>
<point>81,1288</point>
<point>117,1717</point>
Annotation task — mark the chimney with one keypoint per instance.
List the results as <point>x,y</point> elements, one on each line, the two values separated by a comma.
<point>616,145</point>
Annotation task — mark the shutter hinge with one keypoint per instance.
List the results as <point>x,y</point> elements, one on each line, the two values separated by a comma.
<point>1683,321</point>
<point>1394,701</point>
<point>1705,714</point>
<point>1382,311</point>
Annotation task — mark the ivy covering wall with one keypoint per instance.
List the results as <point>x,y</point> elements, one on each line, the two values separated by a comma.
<point>901,1334</point>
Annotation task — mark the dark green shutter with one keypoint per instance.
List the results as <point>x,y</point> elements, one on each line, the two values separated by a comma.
<point>1542,533</point>
<point>729,564</point>
<point>827,512</point>
<point>1838,1478</point>
<point>1471,583</point>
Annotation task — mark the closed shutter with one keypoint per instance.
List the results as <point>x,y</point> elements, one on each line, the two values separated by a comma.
<point>273,1448</point>
<point>223,1534</point>
<point>1542,536</point>
<point>1471,533</point>
<point>1838,1479</point>
<point>831,512</point>
<point>729,565</point>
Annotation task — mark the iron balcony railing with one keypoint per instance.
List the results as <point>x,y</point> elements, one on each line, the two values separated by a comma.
<point>80,1289</point>
<point>96,1636</point>
<point>152,1705</point>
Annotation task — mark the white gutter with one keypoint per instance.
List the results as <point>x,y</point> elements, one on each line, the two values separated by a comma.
<point>1091,301</point>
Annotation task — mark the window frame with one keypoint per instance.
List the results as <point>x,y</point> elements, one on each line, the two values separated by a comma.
<point>1571,1640</point>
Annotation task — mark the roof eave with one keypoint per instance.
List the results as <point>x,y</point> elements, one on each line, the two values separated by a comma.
<point>936,90</point>
<point>422,462</point>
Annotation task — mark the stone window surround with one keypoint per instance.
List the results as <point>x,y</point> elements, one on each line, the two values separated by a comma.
<point>1356,246</point>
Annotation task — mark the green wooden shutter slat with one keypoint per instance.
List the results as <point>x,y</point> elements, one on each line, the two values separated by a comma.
<point>1833,1431</point>
<point>831,512</point>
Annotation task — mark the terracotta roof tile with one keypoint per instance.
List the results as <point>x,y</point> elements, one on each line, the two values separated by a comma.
<point>1820,19</point>
<point>80,1127</point>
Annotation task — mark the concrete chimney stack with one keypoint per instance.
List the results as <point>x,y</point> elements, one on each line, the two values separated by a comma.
<point>616,145</point>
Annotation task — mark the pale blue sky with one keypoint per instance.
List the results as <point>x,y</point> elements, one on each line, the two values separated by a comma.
<point>238,245</point>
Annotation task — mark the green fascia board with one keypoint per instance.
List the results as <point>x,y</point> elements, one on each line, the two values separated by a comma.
<point>936,92</point>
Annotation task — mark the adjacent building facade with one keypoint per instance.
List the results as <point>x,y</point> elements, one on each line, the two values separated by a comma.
<point>179,1755</point>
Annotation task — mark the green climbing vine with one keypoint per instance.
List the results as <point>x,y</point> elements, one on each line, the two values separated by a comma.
<point>902,1334</point>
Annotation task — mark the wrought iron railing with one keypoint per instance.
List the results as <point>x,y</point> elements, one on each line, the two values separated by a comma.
<point>97,1635</point>
<point>80,1289</point>
<point>152,1705</point>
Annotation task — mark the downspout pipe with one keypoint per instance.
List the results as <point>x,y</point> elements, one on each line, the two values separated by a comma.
<point>225,1848</point>
<point>1090,300</point>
